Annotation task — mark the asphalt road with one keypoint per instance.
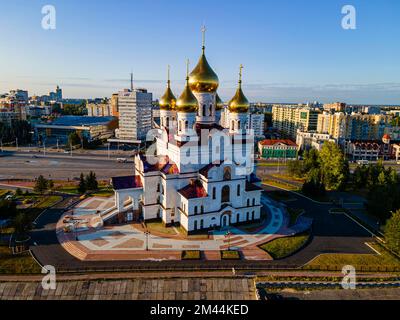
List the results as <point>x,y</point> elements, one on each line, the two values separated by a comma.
<point>60,167</point>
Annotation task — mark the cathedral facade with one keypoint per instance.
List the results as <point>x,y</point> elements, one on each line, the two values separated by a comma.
<point>198,174</point>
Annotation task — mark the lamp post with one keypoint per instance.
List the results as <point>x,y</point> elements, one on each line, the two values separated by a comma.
<point>146,233</point>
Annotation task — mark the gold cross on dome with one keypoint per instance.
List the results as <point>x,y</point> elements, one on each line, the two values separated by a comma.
<point>203,30</point>
<point>240,72</point>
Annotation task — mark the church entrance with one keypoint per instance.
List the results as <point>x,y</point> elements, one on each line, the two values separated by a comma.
<point>225,219</point>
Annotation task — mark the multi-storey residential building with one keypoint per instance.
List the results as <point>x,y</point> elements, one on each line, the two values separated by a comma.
<point>312,139</point>
<point>353,126</point>
<point>7,117</point>
<point>135,116</point>
<point>335,107</point>
<point>289,119</point>
<point>256,123</point>
<point>114,105</point>
<point>99,109</point>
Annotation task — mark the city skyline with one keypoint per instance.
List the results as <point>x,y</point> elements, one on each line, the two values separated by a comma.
<point>317,60</point>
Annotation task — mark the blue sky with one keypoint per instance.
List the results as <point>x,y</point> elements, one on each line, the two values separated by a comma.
<point>292,50</point>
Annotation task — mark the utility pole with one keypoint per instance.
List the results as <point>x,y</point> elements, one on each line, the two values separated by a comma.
<point>70,144</point>
<point>44,148</point>
<point>16,143</point>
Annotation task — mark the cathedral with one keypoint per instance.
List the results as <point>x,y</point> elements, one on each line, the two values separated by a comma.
<point>197,174</point>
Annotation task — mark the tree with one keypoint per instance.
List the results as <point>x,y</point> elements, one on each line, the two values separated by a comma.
<point>22,223</point>
<point>82,184</point>
<point>74,139</point>
<point>41,184</point>
<point>50,184</point>
<point>18,192</point>
<point>296,169</point>
<point>91,181</point>
<point>8,208</point>
<point>392,232</point>
<point>334,166</point>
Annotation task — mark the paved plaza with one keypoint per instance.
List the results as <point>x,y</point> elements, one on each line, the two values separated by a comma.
<point>129,241</point>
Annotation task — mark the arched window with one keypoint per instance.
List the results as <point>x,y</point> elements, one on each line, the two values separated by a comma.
<point>248,202</point>
<point>202,209</point>
<point>225,194</point>
<point>201,224</point>
<point>237,218</point>
<point>167,122</point>
<point>179,126</point>
<point>247,216</point>
<point>158,187</point>
<point>238,124</point>
<point>238,190</point>
<point>254,202</point>
<point>252,215</point>
<point>233,125</point>
<point>186,124</point>
<point>210,110</point>
<point>204,109</point>
<point>195,210</point>
<point>227,173</point>
<point>195,225</point>
<point>214,195</point>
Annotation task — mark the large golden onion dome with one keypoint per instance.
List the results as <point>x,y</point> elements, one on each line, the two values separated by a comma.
<point>219,103</point>
<point>239,103</point>
<point>203,78</point>
<point>187,102</point>
<point>168,100</point>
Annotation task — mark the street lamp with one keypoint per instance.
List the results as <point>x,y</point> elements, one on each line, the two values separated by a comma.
<point>147,239</point>
<point>228,236</point>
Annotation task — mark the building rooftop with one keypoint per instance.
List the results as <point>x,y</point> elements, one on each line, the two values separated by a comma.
<point>193,190</point>
<point>80,121</point>
<point>271,142</point>
<point>128,182</point>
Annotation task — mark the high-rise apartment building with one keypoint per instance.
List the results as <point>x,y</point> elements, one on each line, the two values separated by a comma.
<point>134,114</point>
<point>288,119</point>
<point>354,126</point>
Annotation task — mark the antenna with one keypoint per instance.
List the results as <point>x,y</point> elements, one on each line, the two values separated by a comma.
<point>131,81</point>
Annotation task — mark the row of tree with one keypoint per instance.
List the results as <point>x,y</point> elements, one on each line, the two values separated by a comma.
<point>88,182</point>
<point>325,169</point>
<point>20,130</point>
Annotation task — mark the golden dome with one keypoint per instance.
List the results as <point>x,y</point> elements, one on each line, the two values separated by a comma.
<point>219,103</point>
<point>187,102</point>
<point>239,103</point>
<point>203,78</point>
<point>168,100</point>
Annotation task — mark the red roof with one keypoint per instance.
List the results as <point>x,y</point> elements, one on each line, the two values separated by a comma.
<point>271,142</point>
<point>193,190</point>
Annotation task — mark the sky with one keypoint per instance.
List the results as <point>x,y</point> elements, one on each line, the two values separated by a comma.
<point>291,50</point>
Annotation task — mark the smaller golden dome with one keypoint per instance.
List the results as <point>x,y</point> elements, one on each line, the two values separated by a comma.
<point>219,103</point>
<point>168,100</point>
<point>239,103</point>
<point>187,102</point>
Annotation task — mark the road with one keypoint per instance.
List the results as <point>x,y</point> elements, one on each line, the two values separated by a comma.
<point>60,166</point>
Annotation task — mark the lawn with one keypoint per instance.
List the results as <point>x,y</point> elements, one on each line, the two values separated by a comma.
<point>68,189</point>
<point>230,255</point>
<point>271,164</point>
<point>278,184</point>
<point>103,192</point>
<point>158,226</point>
<point>330,261</point>
<point>283,247</point>
<point>191,255</point>
<point>4,193</point>
<point>48,201</point>
<point>17,264</point>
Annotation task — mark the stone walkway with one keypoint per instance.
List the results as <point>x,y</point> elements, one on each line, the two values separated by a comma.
<point>129,243</point>
<point>134,289</point>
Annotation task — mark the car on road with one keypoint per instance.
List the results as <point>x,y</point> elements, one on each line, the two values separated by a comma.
<point>122,160</point>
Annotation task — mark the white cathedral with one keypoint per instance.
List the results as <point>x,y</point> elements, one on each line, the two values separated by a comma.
<point>200,175</point>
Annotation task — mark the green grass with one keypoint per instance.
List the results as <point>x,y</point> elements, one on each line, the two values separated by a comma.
<point>278,184</point>
<point>159,227</point>
<point>330,260</point>
<point>48,201</point>
<point>17,264</point>
<point>191,255</point>
<point>104,192</point>
<point>271,164</point>
<point>283,247</point>
<point>3,193</point>
<point>230,255</point>
<point>68,189</point>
